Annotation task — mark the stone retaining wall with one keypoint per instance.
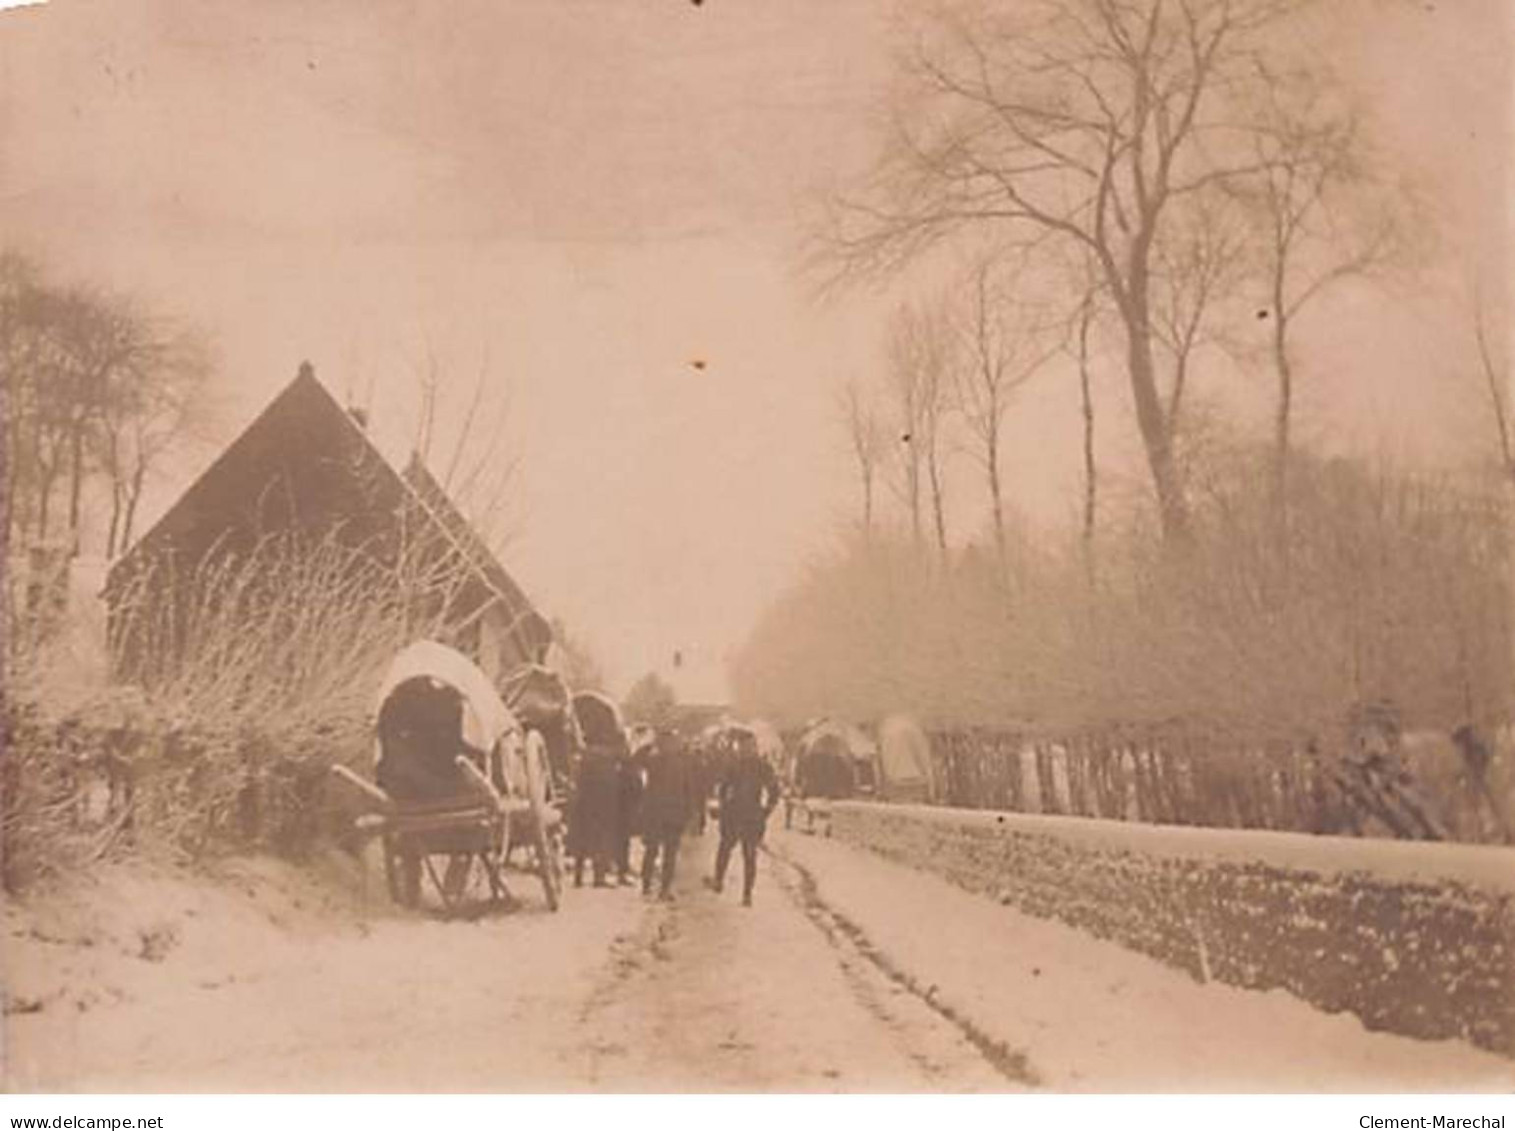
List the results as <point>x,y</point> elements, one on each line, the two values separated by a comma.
<point>1414,938</point>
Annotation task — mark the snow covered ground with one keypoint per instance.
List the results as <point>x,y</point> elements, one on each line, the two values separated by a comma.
<point>1089,1015</point>
<point>262,978</point>
<point>850,973</point>
<point>265,979</point>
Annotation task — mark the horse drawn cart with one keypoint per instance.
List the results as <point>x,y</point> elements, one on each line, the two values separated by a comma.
<point>460,784</point>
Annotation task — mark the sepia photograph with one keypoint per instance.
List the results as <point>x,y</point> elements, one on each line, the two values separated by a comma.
<point>758,547</point>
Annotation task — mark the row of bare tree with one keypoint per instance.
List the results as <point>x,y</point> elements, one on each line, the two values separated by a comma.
<point>1392,586</point>
<point>97,391</point>
<point>1242,665</point>
<point>1159,189</point>
<point>97,394</point>
<point>1134,182</point>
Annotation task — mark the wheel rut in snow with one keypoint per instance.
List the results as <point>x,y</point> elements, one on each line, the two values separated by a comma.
<point>1013,1064</point>
<point>703,994</point>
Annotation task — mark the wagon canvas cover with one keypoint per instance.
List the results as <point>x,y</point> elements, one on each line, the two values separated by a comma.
<point>486,719</point>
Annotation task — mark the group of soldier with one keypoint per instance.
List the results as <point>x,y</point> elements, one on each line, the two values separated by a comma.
<point>657,787</point>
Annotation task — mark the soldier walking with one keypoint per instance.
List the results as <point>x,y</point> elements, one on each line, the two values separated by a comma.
<point>748,793</point>
<point>669,796</point>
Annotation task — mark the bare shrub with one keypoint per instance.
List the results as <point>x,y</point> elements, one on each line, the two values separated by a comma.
<point>252,675</point>
<point>1216,684</point>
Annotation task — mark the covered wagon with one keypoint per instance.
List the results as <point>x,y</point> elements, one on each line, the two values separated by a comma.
<point>458,783</point>
<point>906,771</point>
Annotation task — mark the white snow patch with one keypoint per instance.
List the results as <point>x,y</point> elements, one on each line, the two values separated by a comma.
<point>1094,1016</point>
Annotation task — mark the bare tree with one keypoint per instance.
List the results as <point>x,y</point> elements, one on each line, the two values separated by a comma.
<point>1081,122</point>
<point>19,286</point>
<point>1085,323</point>
<point>1002,355</point>
<point>920,383</point>
<point>95,388</point>
<point>866,441</point>
<point>483,472</point>
<point>1494,368</point>
<point>150,407</point>
<point>481,458</point>
<point>1197,267</point>
<point>1319,222</point>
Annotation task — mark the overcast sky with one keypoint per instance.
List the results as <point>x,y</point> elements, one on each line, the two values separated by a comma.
<point>584,196</point>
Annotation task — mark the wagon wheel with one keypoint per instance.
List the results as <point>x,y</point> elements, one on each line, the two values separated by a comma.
<point>544,833</point>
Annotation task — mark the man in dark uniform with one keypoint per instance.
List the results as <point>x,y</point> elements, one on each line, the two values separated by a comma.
<point>748,793</point>
<point>666,803</point>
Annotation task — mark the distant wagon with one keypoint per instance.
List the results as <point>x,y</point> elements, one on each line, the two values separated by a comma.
<point>836,760</point>
<point>541,700</point>
<point>904,761</point>
<point>459,783</point>
<point>599,721</point>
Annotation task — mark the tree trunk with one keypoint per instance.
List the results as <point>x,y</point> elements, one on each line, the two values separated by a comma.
<point>938,504</point>
<point>135,494</point>
<point>1283,412</point>
<point>868,505</point>
<point>117,490</point>
<point>10,467</point>
<point>1087,402</point>
<point>75,486</point>
<point>44,497</point>
<point>1157,437</point>
<point>997,503</point>
<point>913,473</point>
<point>111,548</point>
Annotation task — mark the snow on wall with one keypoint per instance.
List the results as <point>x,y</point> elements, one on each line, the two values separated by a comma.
<point>1413,938</point>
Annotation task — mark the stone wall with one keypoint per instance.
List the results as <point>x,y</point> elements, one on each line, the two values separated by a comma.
<point>1415,938</point>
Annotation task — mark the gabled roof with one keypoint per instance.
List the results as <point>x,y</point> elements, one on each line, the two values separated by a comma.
<point>306,462</point>
<point>302,437</point>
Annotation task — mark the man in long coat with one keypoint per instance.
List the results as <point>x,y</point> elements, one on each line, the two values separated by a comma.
<point>670,796</point>
<point>594,816</point>
<point>748,793</point>
<point>594,813</point>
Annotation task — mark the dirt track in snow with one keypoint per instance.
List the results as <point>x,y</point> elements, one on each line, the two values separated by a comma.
<point>712,996</point>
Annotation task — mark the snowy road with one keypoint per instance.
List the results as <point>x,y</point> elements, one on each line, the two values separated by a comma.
<point>850,973</point>
<point>615,993</point>
<point>709,995</point>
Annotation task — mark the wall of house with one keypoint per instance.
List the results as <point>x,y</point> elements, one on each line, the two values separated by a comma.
<point>1412,937</point>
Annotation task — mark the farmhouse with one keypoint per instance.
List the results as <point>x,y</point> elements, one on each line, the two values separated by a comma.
<point>306,473</point>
